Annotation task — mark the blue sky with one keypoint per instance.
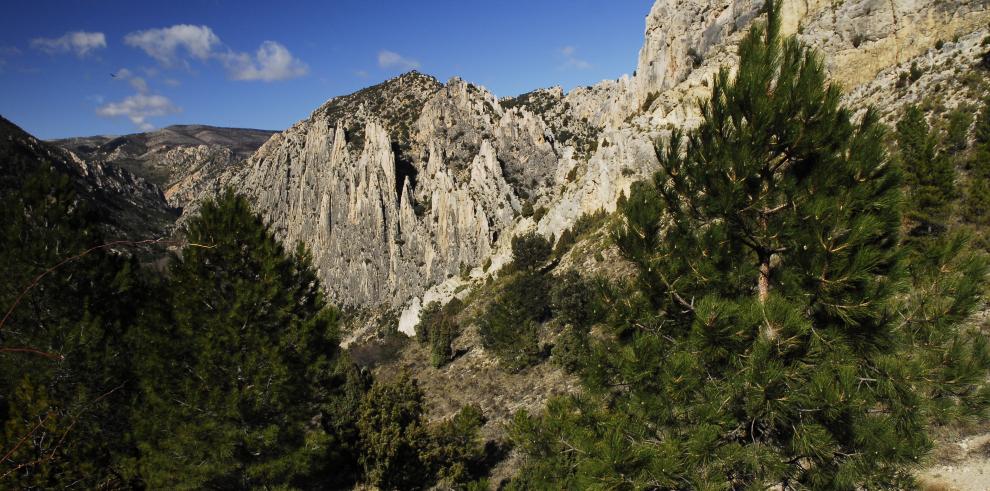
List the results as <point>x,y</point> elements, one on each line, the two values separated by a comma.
<point>269,64</point>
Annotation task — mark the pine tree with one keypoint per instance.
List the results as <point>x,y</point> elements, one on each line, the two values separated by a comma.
<point>764,343</point>
<point>930,173</point>
<point>976,205</point>
<point>239,382</point>
<point>437,329</point>
<point>400,450</point>
<point>957,129</point>
<point>530,250</point>
<point>64,386</point>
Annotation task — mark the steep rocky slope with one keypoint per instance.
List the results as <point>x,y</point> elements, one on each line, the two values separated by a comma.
<point>180,159</point>
<point>131,207</point>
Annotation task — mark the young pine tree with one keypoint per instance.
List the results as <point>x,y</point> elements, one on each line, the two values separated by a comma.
<point>401,450</point>
<point>239,381</point>
<point>510,324</point>
<point>976,205</point>
<point>763,344</point>
<point>930,173</point>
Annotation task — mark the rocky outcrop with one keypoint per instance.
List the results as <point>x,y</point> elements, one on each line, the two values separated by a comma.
<point>406,200</point>
<point>129,207</point>
<point>182,160</point>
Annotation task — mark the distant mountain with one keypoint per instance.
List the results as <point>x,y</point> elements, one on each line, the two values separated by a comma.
<point>176,158</point>
<point>131,207</point>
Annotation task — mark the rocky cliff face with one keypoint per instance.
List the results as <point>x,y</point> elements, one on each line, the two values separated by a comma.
<point>394,201</point>
<point>405,190</point>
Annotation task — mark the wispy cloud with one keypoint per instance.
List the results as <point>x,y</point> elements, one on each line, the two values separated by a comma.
<point>79,42</point>
<point>391,59</point>
<point>271,62</point>
<point>176,45</point>
<point>571,59</point>
<point>138,108</point>
<point>168,45</point>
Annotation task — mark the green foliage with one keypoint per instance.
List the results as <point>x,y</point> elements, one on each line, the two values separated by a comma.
<point>527,209</point>
<point>437,329</point>
<point>767,341</point>
<point>453,450</point>
<point>249,330</point>
<point>401,451</point>
<point>957,130</point>
<point>583,226</point>
<point>915,72</point>
<point>391,427</point>
<point>976,205</point>
<point>65,382</point>
<point>530,250</point>
<point>571,350</point>
<point>930,173</point>
<point>564,243</point>
<point>226,373</point>
<point>574,300</point>
<point>509,325</point>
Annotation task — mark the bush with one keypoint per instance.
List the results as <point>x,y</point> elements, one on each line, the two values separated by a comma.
<point>958,129</point>
<point>916,72</point>
<point>511,337</point>
<point>527,209</point>
<point>564,243</point>
<point>390,426</point>
<point>401,451</point>
<point>453,451</point>
<point>437,329</point>
<point>539,213</point>
<point>571,351</point>
<point>530,250</point>
<point>573,300</point>
<point>509,326</point>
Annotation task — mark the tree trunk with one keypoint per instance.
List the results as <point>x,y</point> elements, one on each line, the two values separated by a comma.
<point>763,284</point>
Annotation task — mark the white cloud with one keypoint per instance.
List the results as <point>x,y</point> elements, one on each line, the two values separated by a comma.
<point>171,82</point>
<point>172,46</point>
<point>79,42</point>
<point>361,73</point>
<point>138,108</point>
<point>164,44</point>
<point>271,62</point>
<point>571,60</point>
<point>391,59</point>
